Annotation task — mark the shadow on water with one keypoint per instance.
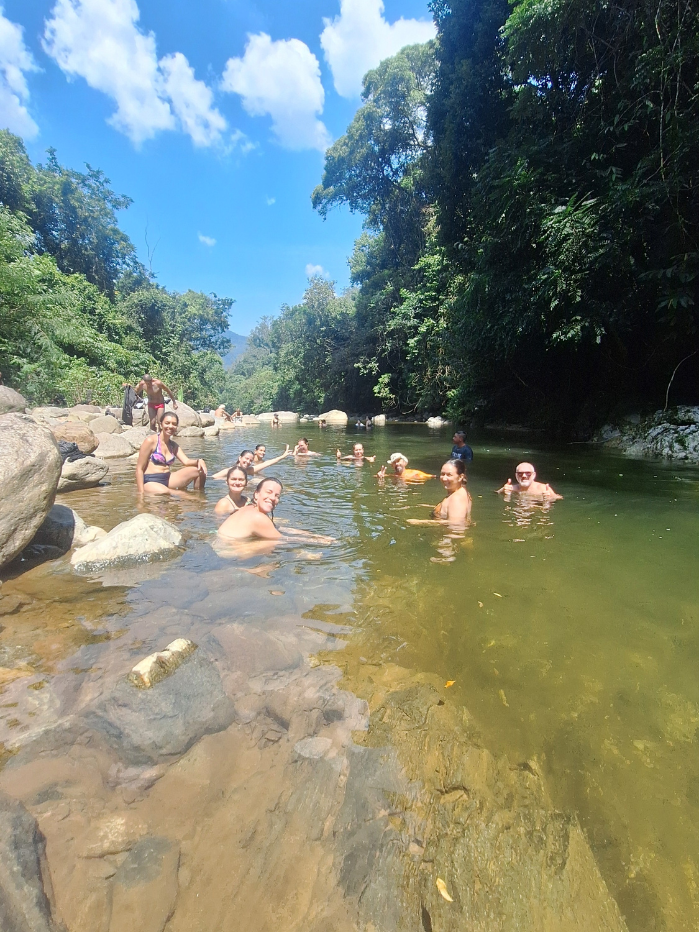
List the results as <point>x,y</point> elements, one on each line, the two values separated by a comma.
<point>567,634</point>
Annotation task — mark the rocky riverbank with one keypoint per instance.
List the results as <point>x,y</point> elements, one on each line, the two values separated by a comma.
<point>672,434</point>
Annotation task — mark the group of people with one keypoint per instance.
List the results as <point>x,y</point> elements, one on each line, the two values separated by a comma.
<point>253,517</point>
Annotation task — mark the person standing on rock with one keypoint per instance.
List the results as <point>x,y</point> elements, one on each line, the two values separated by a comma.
<point>158,454</point>
<point>156,402</point>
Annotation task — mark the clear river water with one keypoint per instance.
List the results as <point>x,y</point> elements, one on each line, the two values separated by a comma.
<point>570,632</point>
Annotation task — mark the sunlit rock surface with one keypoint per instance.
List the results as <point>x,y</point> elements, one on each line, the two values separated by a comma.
<point>143,538</point>
<point>82,474</point>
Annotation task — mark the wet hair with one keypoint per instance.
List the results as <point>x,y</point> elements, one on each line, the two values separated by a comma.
<point>170,414</point>
<point>304,439</point>
<point>236,469</point>
<point>458,465</point>
<point>460,433</point>
<point>269,479</point>
<point>251,452</point>
<point>260,445</point>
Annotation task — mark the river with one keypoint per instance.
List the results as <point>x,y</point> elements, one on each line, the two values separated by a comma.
<point>567,633</point>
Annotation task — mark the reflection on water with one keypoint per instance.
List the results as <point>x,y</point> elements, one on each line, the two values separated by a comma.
<point>569,630</point>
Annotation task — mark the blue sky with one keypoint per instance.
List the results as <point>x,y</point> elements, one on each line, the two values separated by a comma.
<point>213,116</point>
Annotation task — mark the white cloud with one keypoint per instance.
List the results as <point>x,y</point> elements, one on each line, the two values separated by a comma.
<point>315,270</point>
<point>192,101</point>
<point>359,38</point>
<point>271,200</point>
<point>281,79</point>
<point>206,240</point>
<point>15,61</point>
<point>100,41</point>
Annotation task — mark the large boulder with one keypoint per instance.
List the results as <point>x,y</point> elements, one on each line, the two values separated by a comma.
<point>206,419</point>
<point>47,412</point>
<point>285,417</point>
<point>105,424</point>
<point>135,436</point>
<point>10,400</point>
<point>63,528</point>
<point>82,474</point>
<point>223,424</point>
<point>89,409</point>
<point>143,538</point>
<point>380,420</point>
<point>75,432</point>
<point>333,417</point>
<point>30,466</point>
<point>190,432</point>
<point>188,417</point>
<point>250,419</point>
<point>212,431</point>
<point>112,447</point>
<point>24,906</point>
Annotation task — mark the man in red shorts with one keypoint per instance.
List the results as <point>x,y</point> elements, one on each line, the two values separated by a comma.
<point>156,402</point>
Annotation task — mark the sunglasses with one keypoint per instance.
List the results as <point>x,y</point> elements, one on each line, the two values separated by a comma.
<point>524,475</point>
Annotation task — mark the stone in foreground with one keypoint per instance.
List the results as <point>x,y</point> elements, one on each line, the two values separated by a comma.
<point>143,538</point>
<point>30,466</point>
<point>156,667</point>
<point>82,474</point>
<point>24,906</point>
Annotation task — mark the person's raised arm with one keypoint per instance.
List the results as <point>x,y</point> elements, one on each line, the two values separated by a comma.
<point>381,474</point>
<point>258,466</point>
<point>370,459</point>
<point>186,461</point>
<point>139,388</point>
<point>174,399</point>
<point>338,454</point>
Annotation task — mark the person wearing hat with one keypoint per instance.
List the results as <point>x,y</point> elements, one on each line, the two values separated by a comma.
<point>399,461</point>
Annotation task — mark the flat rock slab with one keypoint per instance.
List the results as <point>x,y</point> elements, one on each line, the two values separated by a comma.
<point>143,538</point>
<point>112,447</point>
<point>146,726</point>
<point>82,474</point>
<point>30,466</point>
<point>105,424</point>
<point>24,906</point>
<point>10,400</point>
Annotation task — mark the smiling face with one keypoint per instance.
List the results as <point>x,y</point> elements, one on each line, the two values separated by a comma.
<point>358,450</point>
<point>450,477</point>
<point>169,426</point>
<point>267,496</point>
<point>526,474</point>
<point>260,451</point>
<point>399,467</point>
<point>302,446</point>
<point>236,482</point>
<point>245,459</point>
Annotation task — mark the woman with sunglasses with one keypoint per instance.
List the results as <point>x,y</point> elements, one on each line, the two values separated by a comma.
<point>526,484</point>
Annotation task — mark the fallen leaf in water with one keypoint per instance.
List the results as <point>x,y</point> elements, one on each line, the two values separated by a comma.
<point>276,592</point>
<point>449,683</point>
<point>497,594</point>
<point>503,698</point>
<point>442,887</point>
<point>480,605</point>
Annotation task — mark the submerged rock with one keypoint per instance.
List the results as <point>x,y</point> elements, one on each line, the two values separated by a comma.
<point>63,528</point>
<point>156,667</point>
<point>24,905</point>
<point>146,726</point>
<point>10,400</point>
<point>143,538</point>
<point>30,466</point>
<point>82,474</point>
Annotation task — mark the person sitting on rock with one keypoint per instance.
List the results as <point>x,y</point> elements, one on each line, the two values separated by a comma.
<point>526,484</point>
<point>221,412</point>
<point>247,461</point>
<point>157,455</point>
<point>301,448</point>
<point>399,462</point>
<point>257,519</point>
<point>357,455</point>
<point>236,480</point>
<point>156,402</point>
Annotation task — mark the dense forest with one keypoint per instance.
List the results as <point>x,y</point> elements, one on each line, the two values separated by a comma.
<point>529,184</point>
<point>79,315</point>
<point>530,189</point>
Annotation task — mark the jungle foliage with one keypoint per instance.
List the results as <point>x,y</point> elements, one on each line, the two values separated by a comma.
<point>79,315</point>
<point>530,189</point>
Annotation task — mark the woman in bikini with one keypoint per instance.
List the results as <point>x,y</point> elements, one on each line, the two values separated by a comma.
<point>256,520</point>
<point>236,480</point>
<point>455,509</point>
<point>157,455</point>
<point>246,461</point>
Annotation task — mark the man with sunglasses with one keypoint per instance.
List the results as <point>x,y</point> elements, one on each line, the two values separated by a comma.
<point>526,484</point>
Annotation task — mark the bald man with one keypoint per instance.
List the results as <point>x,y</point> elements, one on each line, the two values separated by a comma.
<point>526,484</point>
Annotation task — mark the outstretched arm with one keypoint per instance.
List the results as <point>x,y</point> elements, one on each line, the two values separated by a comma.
<point>258,466</point>
<point>171,394</point>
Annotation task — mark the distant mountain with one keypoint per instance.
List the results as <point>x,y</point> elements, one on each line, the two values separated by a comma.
<point>239,344</point>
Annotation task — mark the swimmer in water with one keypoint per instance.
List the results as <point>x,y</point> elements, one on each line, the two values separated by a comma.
<point>400,471</point>
<point>256,520</point>
<point>455,509</point>
<point>155,457</point>
<point>260,453</point>
<point>236,480</point>
<point>357,455</point>
<point>301,448</point>
<point>526,484</point>
<point>247,461</point>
